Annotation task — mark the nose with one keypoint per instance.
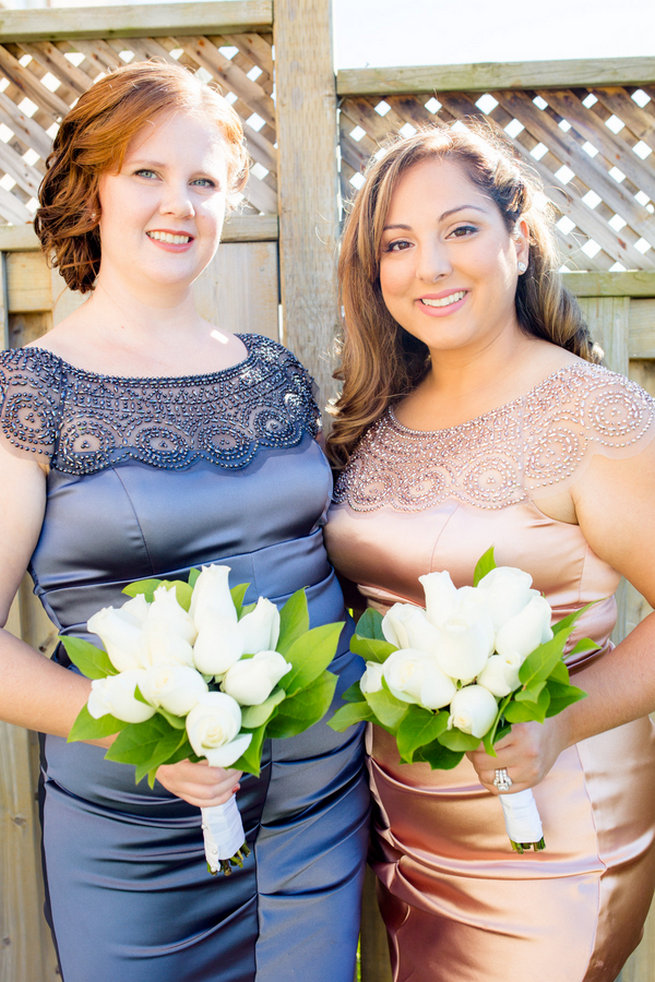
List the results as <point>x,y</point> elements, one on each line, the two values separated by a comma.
<point>176,200</point>
<point>433,261</point>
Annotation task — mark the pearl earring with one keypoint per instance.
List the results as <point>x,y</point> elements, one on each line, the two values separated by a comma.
<point>522,267</point>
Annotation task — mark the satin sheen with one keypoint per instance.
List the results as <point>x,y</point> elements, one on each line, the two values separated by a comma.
<point>128,892</point>
<point>459,905</point>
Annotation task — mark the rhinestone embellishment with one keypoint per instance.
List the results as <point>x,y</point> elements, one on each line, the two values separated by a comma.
<point>505,455</point>
<point>85,422</point>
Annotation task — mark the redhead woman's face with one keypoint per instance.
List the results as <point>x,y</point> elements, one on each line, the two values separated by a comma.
<point>161,215</point>
<point>448,265</point>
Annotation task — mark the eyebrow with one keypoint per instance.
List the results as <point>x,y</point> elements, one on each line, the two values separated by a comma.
<point>444,215</point>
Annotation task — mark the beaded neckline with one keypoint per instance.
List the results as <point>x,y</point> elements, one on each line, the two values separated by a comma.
<point>150,379</point>
<point>537,441</point>
<point>84,422</point>
<point>490,413</point>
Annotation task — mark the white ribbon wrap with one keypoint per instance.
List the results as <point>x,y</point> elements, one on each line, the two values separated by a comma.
<point>222,830</point>
<point>522,819</point>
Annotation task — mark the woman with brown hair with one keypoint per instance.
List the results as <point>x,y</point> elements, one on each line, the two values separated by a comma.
<point>472,415</point>
<point>140,440</point>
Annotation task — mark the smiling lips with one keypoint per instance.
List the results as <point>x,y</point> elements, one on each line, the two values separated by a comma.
<point>171,238</point>
<point>443,301</point>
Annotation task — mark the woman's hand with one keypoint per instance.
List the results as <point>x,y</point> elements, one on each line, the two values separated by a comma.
<point>199,784</point>
<point>527,753</point>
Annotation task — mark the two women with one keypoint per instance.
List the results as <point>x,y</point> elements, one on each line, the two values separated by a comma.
<point>473,415</point>
<point>137,440</point>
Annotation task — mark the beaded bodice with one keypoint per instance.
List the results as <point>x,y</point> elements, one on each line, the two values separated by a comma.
<point>504,456</point>
<point>84,422</point>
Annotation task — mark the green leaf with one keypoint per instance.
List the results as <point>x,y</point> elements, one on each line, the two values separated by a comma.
<point>251,760</point>
<point>87,727</point>
<point>313,703</point>
<point>237,593</point>
<point>253,717</point>
<point>353,693</point>
<point>566,624</point>
<point>350,714</point>
<point>584,646</point>
<point>419,727</point>
<point>439,758</point>
<point>92,662</point>
<point>388,710</point>
<point>194,573</point>
<point>146,587</point>
<point>526,712</point>
<point>294,621</point>
<point>562,696</point>
<point>303,710</point>
<point>369,625</point>
<point>176,722</point>
<point>458,741</point>
<point>531,692</point>
<point>171,743</point>
<point>138,742</point>
<point>540,662</point>
<point>310,655</point>
<point>484,565</point>
<point>371,649</point>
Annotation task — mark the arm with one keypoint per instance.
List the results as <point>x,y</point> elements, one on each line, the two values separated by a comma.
<point>36,692</point>
<point>614,504</point>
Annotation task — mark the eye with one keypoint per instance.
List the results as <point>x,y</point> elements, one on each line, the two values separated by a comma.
<point>463,231</point>
<point>145,172</point>
<point>204,182</point>
<point>398,245</point>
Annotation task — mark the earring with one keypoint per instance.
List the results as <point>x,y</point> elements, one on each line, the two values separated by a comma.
<point>522,268</point>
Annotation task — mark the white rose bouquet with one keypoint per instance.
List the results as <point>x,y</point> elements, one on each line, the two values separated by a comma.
<point>189,671</point>
<point>474,661</point>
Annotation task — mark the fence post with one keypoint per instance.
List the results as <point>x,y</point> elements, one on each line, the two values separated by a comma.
<point>306,103</point>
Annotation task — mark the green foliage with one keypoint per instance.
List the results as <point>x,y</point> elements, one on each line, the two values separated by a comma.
<point>86,727</point>
<point>302,698</point>
<point>91,661</point>
<point>484,565</point>
<point>422,734</point>
<point>294,621</point>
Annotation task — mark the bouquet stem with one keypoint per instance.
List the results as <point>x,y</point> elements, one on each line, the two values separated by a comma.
<point>522,821</point>
<point>222,831</point>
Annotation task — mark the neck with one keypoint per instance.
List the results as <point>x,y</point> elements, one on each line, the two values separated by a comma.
<point>120,315</point>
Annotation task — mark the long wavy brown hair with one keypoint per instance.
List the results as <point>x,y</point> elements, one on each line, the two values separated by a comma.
<point>92,140</point>
<point>380,362</point>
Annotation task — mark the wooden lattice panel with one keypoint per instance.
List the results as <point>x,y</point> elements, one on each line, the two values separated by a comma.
<point>593,149</point>
<point>39,82</point>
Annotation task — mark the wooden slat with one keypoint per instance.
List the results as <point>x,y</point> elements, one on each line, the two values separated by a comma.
<point>640,283</point>
<point>239,290</point>
<point>642,329</point>
<point>308,181</point>
<point>238,228</point>
<point>126,21</point>
<point>496,75</point>
<point>28,282</point>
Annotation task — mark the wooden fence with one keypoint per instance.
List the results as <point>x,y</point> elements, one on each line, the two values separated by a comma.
<point>587,127</point>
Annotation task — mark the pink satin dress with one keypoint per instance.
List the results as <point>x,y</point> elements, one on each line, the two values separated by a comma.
<point>459,904</point>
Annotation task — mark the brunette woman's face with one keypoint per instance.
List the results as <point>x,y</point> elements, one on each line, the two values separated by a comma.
<point>448,265</point>
<point>161,214</point>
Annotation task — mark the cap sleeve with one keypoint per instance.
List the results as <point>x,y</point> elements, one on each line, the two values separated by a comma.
<point>301,389</point>
<point>30,384</point>
<point>586,412</point>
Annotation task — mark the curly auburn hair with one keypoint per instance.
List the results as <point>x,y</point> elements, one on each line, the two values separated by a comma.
<point>381,362</point>
<point>93,139</point>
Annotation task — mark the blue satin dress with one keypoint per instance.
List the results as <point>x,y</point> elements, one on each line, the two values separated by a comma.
<point>150,477</point>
